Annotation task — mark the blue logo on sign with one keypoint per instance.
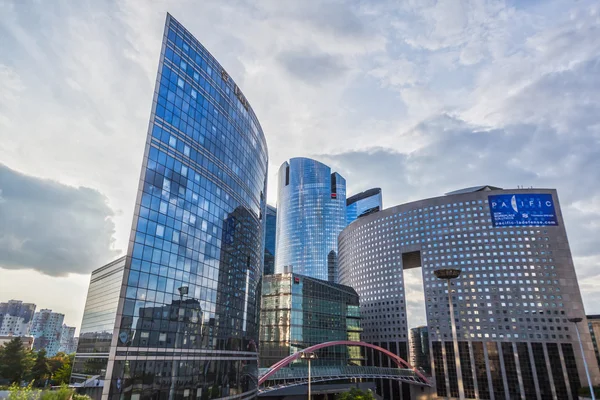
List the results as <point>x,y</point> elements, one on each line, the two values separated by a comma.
<point>522,210</point>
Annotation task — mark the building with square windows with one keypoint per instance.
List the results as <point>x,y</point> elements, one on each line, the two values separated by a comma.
<point>512,302</point>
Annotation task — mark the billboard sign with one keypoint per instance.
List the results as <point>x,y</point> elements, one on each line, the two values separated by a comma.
<point>536,209</point>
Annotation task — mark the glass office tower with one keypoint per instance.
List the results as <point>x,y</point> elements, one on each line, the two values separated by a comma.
<point>311,212</point>
<point>299,311</point>
<point>512,301</point>
<point>363,203</point>
<point>187,316</point>
<point>270,234</point>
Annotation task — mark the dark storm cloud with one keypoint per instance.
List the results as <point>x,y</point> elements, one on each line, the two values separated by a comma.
<point>51,227</point>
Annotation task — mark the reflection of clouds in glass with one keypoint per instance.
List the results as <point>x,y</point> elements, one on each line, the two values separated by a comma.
<point>414,297</point>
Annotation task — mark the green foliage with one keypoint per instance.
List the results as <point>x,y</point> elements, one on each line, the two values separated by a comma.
<point>64,393</point>
<point>63,375</point>
<point>41,370</point>
<point>355,394</point>
<point>15,361</point>
<point>77,396</point>
<point>23,393</point>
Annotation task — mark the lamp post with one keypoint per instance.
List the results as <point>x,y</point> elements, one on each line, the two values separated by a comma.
<point>587,372</point>
<point>448,274</point>
<point>308,355</point>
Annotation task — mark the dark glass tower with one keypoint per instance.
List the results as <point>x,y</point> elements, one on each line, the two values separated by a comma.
<point>270,234</point>
<point>187,316</point>
<point>311,213</point>
<point>363,203</point>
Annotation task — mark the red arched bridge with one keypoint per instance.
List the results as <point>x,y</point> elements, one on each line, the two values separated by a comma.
<point>279,377</point>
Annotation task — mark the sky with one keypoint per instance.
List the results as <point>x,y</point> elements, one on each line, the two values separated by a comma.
<point>418,97</point>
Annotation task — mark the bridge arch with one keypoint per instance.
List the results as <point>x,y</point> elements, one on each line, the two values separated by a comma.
<point>401,363</point>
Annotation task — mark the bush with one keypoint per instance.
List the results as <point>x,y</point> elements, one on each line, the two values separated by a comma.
<point>78,396</point>
<point>64,393</point>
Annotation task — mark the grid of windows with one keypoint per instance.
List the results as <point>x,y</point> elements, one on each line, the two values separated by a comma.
<point>311,212</point>
<point>187,321</point>
<point>299,311</point>
<point>516,283</point>
<point>98,322</point>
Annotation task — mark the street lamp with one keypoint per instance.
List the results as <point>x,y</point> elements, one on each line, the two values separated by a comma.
<point>308,355</point>
<point>587,373</point>
<point>448,274</point>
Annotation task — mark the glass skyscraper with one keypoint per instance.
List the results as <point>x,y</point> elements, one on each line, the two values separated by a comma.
<point>187,316</point>
<point>270,234</point>
<point>311,212</point>
<point>363,203</point>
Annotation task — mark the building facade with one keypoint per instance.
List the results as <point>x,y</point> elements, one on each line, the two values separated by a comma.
<point>419,349</point>
<point>512,300</point>
<point>186,320</point>
<point>16,318</point>
<point>363,203</point>
<point>594,327</point>
<point>46,330</point>
<point>270,234</point>
<point>68,341</point>
<point>97,325</point>
<point>299,311</point>
<point>311,212</point>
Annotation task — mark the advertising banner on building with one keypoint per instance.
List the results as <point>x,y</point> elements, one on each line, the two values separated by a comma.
<point>535,209</point>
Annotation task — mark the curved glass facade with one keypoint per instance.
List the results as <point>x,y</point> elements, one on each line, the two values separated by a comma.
<point>512,301</point>
<point>187,322</point>
<point>311,212</point>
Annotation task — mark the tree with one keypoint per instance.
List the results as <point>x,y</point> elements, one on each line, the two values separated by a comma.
<point>356,394</point>
<point>55,363</point>
<point>41,370</point>
<point>63,375</point>
<point>14,361</point>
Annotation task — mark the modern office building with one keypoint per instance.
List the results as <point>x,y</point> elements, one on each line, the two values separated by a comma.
<point>299,311</point>
<point>68,341</point>
<point>512,301</point>
<point>187,314</point>
<point>419,349</point>
<point>363,203</point>
<point>46,330</point>
<point>594,327</point>
<point>311,212</point>
<point>16,318</point>
<point>270,234</point>
<point>97,325</point>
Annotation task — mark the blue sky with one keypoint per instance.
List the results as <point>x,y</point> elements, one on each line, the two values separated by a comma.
<point>416,97</point>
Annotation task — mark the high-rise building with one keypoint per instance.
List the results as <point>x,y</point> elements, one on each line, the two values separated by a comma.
<point>594,327</point>
<point>46,330</point>
<point>299,311</point>
<point>311,212</point>
<point>68,341</point>
<point>363,203</point>
<point>512,301</point>
<point>98,323</point>
<point>187,315</point>
<point>16,318</point>
<point>419,349</point>
<point>270,234</point>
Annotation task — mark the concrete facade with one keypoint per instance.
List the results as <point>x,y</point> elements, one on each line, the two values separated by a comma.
<point>512,301</point>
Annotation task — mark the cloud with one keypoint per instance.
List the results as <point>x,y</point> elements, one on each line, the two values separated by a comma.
<point>52,228</point>
<point>312,68</point>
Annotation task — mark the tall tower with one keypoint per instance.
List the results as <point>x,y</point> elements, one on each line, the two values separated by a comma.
<point>270,234</point>
<point>311,212</point>
<point>186,321</point>
<point>363,203</point>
